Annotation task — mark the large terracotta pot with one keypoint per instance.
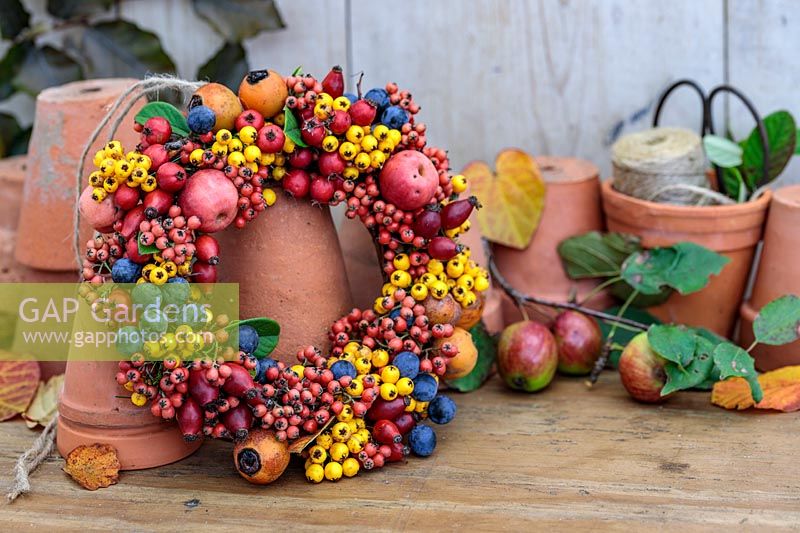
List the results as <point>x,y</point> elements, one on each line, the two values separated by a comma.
<point>290,268</point>
<point>777,275</point>
<point>90,411</point>
<point>65,118</point>
<point>732,230</point>
<point>571,207</point>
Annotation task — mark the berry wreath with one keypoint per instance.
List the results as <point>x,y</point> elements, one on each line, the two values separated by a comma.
<point>360,405</point>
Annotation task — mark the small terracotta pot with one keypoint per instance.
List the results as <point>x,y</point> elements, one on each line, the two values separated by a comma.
<point>571,207</point>
<point>65,118</point>
<point>90,411</point>
<point>732,230</point>
<point>777,275</point>
<point>290,268</point>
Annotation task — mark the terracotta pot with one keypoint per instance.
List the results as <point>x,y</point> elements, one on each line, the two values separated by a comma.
<point>572,207</point>
<point>65,118</point>
<point>361,262</point>
<point>777,275</point>
<point>90,412</point>
<point>290,268</point>
<point>732,230</point>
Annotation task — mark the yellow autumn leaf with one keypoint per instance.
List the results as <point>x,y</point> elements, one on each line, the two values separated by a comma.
<point>781,391</point>
<point>44,405</point>
<point>512,197</point>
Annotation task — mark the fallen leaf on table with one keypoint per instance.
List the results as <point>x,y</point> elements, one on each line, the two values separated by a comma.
<point>45,404</point>
<point>93,466</point>
<point>512,197</point>
<point>18,383</point>
<point>781,391</point>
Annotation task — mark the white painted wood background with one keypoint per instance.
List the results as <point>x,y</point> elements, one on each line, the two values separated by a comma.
<point>559,77</point>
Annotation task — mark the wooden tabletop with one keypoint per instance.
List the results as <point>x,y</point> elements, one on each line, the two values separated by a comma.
<point>568,457</point>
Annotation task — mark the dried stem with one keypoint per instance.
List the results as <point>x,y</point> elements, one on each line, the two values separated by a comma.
<point>522,298</point>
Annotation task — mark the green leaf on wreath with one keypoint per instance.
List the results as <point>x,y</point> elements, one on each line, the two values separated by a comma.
<point>143,249</point>
<point>168,111</point>
<point>268,334</point>
<point>734,361</point>
<point>693,267</point>
<point>291,128</point>
<point>695,374</point>
<point>487,353</point>
<point>673,343</point>
<point>595,255</point>
<point>778,322</point>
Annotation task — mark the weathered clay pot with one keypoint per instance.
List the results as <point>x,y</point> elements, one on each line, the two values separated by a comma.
<point>90,411</point>
<point>290,268</point>
<point>777,275</point>
<point>732,230</point>
<point>571,207</point>
<point>65,118</point>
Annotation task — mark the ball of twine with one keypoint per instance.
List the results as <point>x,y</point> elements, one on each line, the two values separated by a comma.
<point>664,165</point>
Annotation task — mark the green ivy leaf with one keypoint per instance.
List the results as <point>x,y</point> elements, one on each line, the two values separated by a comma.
<point>298,70</point>
<point>693,267</point>
<point>595,255</point>
<point>14,18</point>
<point>119,49</point>
<point>236,20</point>
<point>722,152</point>
<point>291,128</point>
<point>695,373</point>
<point>10,65</point>
<point>169,112</point>
<point>734,361</point>
<point>781,137</point>
<point>487,353</point>
<point>66,9</point>
<point>46,67</point>
<point>622,336</point>
<point>797,144</point>
<point>647,271</point>
<point>268,334</point>
<point>778,322</point>
<point>228,66</point>
<point>673,343</point>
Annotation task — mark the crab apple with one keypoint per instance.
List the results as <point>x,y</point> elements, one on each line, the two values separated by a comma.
<point>207,249</point>
<point>270,139</point>
<point>527,356</point>
<point>321,190</point>
<point>579,341</point>
<point>408,180</point>
<point>211,197</point>
<point>158,155</point>
<point>101,216</point>
<point>313,132</point>
<point>363,112</point>
<point>297,183</point>
<point>171,177</point>
<point>157,130</point>
<point>340,122</point>
<point>301,158</point>
<point>249,117</point>
<point>331,164</point>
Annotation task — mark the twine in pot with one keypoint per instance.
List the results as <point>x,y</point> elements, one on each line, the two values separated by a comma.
<point>664,165</point>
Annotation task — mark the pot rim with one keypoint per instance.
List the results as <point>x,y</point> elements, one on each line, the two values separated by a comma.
<point>788,196</point>
<point>685,211</point>
<point>566,180</point>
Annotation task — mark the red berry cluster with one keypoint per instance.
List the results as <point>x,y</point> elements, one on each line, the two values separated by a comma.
<point>101,253</point>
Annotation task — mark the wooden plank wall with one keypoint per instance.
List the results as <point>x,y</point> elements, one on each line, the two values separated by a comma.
<point>562,77</point>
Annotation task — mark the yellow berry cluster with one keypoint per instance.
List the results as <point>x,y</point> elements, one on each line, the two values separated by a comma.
<point>114,167</point>
<point>334,452</point>
<point>161,271</point>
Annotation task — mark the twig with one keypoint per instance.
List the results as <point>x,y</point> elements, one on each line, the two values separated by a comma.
<point>518,296</point>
